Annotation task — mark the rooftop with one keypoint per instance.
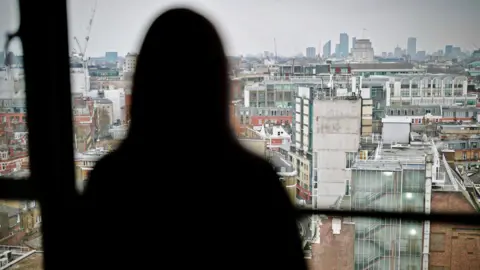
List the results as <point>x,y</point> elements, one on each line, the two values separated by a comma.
<point>281,164</point>
<point>31,262</point>
<point>11,211</point>
<point>91,155</point>
<point>379,66</point>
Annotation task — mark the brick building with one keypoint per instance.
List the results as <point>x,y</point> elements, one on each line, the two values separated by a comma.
<point>452,246</point>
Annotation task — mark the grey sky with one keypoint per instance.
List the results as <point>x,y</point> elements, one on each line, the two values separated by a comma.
<point>249,26</point>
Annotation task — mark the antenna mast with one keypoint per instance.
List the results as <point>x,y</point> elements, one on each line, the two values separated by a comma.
<point>275,47</point>
<point>363,33</point>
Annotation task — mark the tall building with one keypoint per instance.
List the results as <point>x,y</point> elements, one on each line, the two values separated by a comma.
<point>354,39</point>
<point>448,50</point>
<point>130,62</point>
<point>327,49</point>
<point>344,48</point>
<point>337,51</point>
<point>336,127</point>
<point>311,52</point>
<point>412,47</point>
<point>397,52</point>
<point>363,51</point>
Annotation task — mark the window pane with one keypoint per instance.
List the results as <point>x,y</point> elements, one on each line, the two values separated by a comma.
<point>21,235</point>
<point>14,158</point>
<point>325,143</point>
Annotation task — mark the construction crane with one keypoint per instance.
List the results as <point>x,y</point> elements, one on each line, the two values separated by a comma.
<point>82,51</point>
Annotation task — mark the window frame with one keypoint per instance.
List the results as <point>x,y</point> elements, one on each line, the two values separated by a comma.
<point>52,178</point>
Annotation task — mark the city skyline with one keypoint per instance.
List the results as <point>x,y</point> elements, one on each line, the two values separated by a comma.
<point>119,25</point>
<point>243,34</point>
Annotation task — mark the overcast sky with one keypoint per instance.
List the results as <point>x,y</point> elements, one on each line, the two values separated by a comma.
<point>249,26</point>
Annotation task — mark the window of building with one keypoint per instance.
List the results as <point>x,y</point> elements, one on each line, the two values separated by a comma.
<point>350,159</point>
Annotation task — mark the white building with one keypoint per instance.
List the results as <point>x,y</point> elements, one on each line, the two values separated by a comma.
<point>130,62</point>
<point>428,89</point>
<point>117,96</point>
<point>79,81</point>
<point>363,51</point>
<point>336,139</point>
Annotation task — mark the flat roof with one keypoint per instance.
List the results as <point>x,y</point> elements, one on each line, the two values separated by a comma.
<point>396,119</point>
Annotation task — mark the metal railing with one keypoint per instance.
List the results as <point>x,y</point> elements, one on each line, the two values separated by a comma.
<point>370,229</point>
<point>373,139</point>
<point>456,184</point>
<point>15,249</point>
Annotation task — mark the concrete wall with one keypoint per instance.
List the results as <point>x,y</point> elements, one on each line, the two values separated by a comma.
<point>336,131</point>
<point>452,246</point>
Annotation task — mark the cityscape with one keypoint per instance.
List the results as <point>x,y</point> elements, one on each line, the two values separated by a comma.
<point>345,127</point>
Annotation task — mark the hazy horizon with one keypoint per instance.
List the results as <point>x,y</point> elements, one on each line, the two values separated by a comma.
<point>249,27</point>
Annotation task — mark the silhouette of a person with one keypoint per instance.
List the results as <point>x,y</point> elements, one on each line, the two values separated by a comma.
<point>181,192</point>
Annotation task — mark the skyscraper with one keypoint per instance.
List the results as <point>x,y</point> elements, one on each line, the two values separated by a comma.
<point>344,48</point>
<point>311,52</point>
<point>398,52</point>
<point>327,49</point>
<point>354,40</point>
<point>412,47</point>
<point>448,50</point>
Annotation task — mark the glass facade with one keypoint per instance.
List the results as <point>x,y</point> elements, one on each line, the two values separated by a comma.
<point>388,243</point>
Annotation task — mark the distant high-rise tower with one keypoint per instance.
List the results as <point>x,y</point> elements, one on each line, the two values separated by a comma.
<point>311,52</point>
<point>354,39</point>
<point>327,49</point>
<point>412,47</point>
<point>448,50</point>
<point>397,52</point>
<point>344,48</point>
<point>337,50</point>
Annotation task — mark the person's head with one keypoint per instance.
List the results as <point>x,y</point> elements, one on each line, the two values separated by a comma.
<point>181,77</point>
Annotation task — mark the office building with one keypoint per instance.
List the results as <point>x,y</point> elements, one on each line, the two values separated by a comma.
<point>344,48</point>
<point>412,47</point>
<point>327,49</point>
<point>311,52</point>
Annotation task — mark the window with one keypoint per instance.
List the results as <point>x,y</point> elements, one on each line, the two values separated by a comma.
<point>82,135</point>
<point>347,187</point>
<point>350,159</point>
